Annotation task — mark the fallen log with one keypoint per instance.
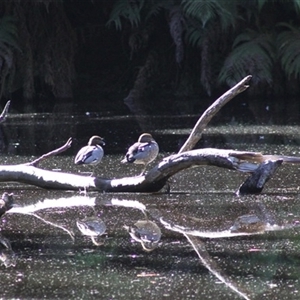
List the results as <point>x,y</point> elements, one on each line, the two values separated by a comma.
<point>262,166</point>
<point>153,181</point>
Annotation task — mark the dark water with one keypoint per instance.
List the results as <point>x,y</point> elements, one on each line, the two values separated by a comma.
<point>197,256</point>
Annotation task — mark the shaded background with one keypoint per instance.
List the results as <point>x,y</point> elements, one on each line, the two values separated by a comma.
<point>161,56</point>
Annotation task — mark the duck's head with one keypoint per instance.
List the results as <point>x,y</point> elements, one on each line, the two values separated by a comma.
<point>96,140</point>
<point>145,138</point>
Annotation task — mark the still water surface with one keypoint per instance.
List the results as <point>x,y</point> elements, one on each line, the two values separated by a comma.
<point>195,252</point>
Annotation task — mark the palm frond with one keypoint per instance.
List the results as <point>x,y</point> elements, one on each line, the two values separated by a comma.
<point>253,53</point>
<point>129,10</point>
<point>288,42</point>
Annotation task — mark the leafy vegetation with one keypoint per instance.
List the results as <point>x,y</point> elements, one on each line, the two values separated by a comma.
<point>191,48</point>
<point>8,44</point>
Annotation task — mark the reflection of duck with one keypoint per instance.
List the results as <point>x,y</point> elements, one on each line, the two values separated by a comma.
<point>92,153</point>
<point>145,232</point>
<point>248,224</point>
<point>143,152</point>
<point>7,256</point>
<point>6,203</point>
<point>92,227</point>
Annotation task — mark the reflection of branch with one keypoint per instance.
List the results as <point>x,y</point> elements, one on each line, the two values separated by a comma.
<point>71,234</point>
<point>63,148</point>
<point>212,266</point>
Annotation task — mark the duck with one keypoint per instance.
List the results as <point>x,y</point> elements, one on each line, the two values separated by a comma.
<point>91,154</point>
<point>144,151</point>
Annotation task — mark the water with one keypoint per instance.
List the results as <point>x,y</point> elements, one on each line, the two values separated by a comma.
<point>197,256</point>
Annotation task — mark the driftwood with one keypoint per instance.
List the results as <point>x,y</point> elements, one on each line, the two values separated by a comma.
<point>261,166</point>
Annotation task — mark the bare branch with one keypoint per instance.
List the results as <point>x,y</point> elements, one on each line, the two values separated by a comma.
<point>66,146</point>
<point>4,112</point>
<point>196,133</point>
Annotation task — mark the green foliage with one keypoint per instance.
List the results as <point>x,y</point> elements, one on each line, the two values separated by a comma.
<point>129,10</point>
<point>261,3</point>
<point>9,32</point>
<point>297,6</point>
<point>253,53</point>
<point>288,42</point>
<point>194,36</point>
<point>294,3</point>
<point>210,10</point>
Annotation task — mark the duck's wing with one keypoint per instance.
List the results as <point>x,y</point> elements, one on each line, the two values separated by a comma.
<point>147,152</point>
<point>131,152</point>
<point>88,155</point>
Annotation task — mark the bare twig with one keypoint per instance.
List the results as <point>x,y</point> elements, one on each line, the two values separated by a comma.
<point>66,146</point>
<point>196,133</point>
<point>4,112</point>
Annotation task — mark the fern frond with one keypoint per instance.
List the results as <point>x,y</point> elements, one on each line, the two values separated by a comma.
<point>253,53</point>
<point>208,10</point>
<point>129,10</point>
<point>288,43</point>
<point>154,7</point>
<point>261,3</point>
<point>9,32</point>
<point>297,6</point>
<point>194,36</point>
